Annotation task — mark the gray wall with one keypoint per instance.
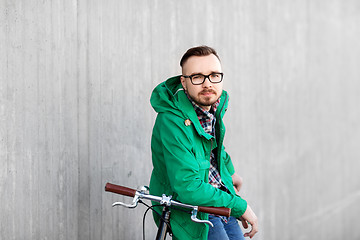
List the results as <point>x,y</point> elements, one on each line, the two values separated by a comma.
<point>76,77</point>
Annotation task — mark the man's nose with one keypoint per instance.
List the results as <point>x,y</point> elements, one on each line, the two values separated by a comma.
<point>207,82</point>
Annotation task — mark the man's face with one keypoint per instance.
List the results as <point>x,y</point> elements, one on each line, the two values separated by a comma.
<point>207,93</point>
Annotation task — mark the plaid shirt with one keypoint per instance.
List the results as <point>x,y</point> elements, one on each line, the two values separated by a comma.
<point>207,120</point>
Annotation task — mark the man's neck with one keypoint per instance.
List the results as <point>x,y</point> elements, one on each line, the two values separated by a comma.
<point>206,108</point>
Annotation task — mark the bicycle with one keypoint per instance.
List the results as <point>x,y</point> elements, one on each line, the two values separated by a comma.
<point>167,203</point>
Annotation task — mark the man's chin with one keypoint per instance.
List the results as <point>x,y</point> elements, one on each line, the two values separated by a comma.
<point>207,102</point>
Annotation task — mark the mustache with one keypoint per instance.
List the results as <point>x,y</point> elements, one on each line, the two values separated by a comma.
<point>208,91</point>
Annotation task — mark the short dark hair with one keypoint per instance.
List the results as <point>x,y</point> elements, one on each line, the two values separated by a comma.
<point>198,51</point>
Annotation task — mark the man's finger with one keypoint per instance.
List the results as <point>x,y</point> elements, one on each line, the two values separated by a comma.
<point>244,223</point>
<point>251,233</point>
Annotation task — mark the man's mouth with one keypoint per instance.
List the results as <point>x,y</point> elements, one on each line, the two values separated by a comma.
<point>207,93</point>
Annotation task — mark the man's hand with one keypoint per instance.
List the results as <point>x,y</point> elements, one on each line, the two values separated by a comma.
<point>237,182</point>
<point>250,217</point>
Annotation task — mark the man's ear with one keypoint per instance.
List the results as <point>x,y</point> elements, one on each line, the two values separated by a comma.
<point>182,79</point>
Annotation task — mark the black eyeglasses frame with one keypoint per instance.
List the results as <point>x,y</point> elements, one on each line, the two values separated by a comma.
<point>205,76</point>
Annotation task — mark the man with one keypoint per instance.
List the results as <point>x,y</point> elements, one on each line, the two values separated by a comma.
<point>188,155</point>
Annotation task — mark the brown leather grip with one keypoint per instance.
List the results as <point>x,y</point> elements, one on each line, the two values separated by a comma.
<point>109,187</point>
<point>216,210</point>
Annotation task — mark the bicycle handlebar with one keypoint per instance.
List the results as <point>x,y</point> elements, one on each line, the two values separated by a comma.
<point>109,187</point>
<point>222,211</point>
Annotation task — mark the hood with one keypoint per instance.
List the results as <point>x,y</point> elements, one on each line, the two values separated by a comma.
<point>165,97</point>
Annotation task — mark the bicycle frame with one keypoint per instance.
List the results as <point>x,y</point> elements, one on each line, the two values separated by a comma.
<point>167,202</point>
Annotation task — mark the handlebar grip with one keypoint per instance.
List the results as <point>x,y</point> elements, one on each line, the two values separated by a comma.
<point>216,210</point>
<point>109,187</point>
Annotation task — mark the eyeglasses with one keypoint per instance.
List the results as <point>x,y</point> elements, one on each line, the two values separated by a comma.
<point>198,79</point>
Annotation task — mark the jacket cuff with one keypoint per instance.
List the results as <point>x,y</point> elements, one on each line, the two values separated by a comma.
<point>240,208</point>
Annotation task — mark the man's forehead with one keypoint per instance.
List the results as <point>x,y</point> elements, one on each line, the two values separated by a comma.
<point>202,64</point>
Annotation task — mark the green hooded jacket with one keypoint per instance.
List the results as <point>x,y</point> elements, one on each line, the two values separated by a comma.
<point>181,159</point>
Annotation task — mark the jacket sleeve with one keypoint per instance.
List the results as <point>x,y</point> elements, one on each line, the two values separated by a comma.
<point>184,170</point>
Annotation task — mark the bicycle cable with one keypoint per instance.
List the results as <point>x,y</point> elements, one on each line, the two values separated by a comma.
<point>152,208</point>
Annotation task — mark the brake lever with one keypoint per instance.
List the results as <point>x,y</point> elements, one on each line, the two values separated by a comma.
<point>143,190</point>
<point>132,205</point>
<point>195,219</point>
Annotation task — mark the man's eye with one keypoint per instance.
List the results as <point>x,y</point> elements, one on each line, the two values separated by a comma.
<point>215,75</point>
<point>197,77</point>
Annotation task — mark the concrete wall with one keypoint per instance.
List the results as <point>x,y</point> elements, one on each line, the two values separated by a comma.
<point>76,77</point>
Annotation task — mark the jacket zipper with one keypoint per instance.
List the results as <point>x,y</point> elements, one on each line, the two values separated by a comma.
<point>222,107</point>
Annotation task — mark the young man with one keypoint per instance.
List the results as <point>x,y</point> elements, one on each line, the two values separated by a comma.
<point>188,155</point>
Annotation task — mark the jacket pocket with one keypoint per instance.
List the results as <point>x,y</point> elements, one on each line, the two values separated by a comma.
<point>204,166</point>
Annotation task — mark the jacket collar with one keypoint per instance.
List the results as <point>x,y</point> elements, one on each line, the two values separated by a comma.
<point>187,108</point>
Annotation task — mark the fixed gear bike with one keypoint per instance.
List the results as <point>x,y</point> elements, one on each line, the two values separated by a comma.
<point>167,203</point>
